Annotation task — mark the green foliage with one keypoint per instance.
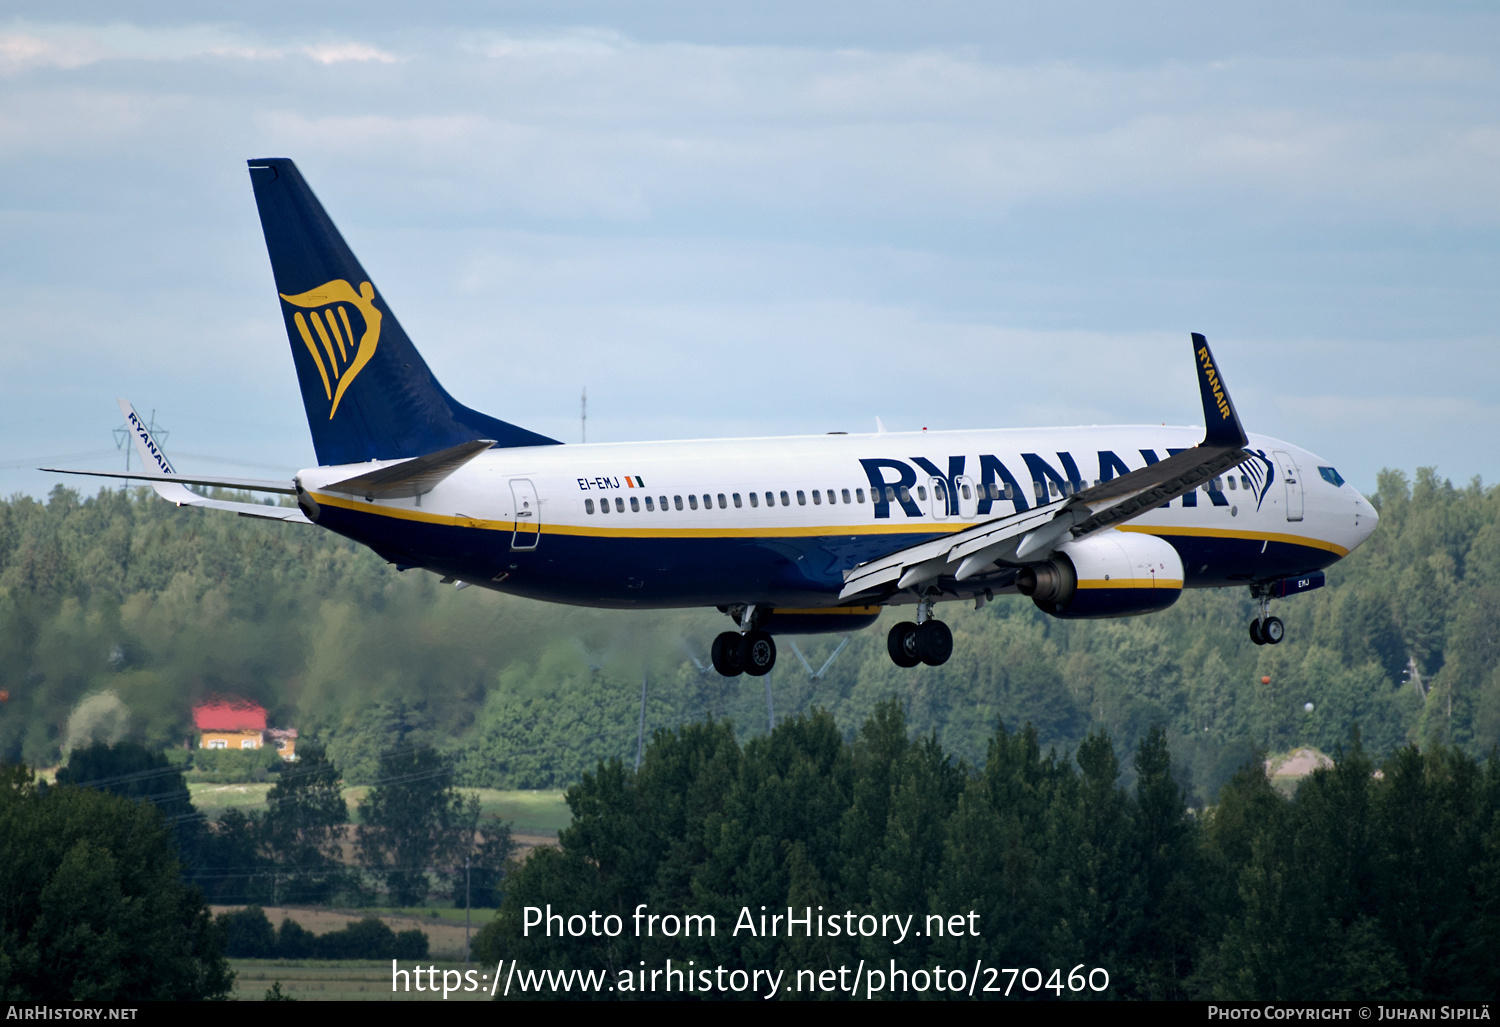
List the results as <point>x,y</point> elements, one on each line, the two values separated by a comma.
<point>234,766</point>
<point>415,823</point>
<point>248,934</point>
<point>1364,885</point>
<point>92,905</point>
<point>301,829</point>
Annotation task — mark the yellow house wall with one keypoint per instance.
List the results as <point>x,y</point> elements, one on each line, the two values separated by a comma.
<point>231,739</point>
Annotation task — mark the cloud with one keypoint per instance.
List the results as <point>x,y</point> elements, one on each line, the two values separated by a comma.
<point>337,53</point>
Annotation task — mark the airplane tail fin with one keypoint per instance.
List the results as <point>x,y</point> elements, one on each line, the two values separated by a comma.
<point>367,392</point>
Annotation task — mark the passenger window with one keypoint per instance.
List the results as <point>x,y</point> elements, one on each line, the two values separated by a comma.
<point>693,502</point>
<point>846,497</point>
<point>635,505</point>
<point>1041,491</point>
<point>801,498</point>
<point>1244,481</point>
<point>1010,492</point>
<point>784,500</point>
<point>1231,483</point>
<point>890,494</point>
<point>708,501</point>
<point>663,501</point>
<point>649,507</point>
<point>770,499</point>
<point>619,505</point>
<point>677,502</point>
<point>905,495</point>
<point>994,490</point>
<point>968,492</point>
<point>922,493</point>
<point>859,495</point>
<point>817,498</point>
<point>737,503</point>
<point>754,499</point>
<point>723,503</point>
<point>604,506</point>
<point>588,506</point>
<point>1052,487</point>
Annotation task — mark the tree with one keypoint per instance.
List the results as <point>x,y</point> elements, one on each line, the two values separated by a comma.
<point>414,823</point>
<point>131,770</point>
<point>301,830</point>
<point>92,902</point>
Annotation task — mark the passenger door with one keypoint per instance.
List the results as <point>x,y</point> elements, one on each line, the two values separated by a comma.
<point>1292,479</point>
<point>528,515</point>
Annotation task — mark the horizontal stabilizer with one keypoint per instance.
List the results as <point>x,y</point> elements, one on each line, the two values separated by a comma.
<point>410,478</point>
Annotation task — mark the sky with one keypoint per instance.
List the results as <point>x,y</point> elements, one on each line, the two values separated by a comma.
<point>768,219</point>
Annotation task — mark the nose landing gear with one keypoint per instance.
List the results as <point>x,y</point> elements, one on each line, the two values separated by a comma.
<point>1265,629</point>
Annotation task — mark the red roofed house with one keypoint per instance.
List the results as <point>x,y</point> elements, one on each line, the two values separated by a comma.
<point>229,724</point>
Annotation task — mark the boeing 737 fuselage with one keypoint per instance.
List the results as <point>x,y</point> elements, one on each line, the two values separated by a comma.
<point>785,535</point>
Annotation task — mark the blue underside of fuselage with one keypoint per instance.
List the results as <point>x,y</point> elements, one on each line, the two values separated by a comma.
<point>794,571</point>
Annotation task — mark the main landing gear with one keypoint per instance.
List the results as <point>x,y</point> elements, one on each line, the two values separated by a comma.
<point>1265,629</point>
<point>927,641</point>
<point>750,652</point>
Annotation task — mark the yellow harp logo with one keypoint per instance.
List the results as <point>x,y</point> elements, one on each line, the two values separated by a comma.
<point>329,305</point>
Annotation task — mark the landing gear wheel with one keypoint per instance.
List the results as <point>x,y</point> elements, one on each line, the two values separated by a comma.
<point>726,654</point>
<point>757,653</point>
<point>934,643</point>
<point>1255,633</point>
<point>901,643</point>
<point>1273,630</point>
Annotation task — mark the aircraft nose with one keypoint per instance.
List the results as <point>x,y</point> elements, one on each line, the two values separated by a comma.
<point>1365,519</point>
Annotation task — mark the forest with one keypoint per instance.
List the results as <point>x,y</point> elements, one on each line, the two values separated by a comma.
<point>119,611</point>
<point>1375,881</point>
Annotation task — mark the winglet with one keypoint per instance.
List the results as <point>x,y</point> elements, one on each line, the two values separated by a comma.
<point>1218,409</point>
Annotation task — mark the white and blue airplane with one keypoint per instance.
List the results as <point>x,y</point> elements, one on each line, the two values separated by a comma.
<point>788,535</point>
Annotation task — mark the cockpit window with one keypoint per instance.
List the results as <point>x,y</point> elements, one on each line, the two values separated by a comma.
<point>1331,476</point>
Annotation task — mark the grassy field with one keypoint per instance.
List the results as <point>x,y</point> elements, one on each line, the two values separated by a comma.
<point>341,981</point>
<point>542,813</point>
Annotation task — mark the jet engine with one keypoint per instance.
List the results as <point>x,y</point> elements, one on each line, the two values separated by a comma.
<point>1111,574</point>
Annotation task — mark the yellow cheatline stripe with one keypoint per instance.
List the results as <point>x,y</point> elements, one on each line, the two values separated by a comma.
<point>1249,536</point>
<point>1174,583</point>
<point>313,349</point>
<point>848,611</point>
<point>770,531</point>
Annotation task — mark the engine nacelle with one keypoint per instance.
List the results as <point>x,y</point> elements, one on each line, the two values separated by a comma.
<point>1111,574</point>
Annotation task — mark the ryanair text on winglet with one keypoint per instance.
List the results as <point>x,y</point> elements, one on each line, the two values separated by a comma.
<point>1213,381</point>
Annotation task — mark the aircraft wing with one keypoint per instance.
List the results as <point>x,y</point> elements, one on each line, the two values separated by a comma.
<point>1033,534</point>
<point>172,486</point>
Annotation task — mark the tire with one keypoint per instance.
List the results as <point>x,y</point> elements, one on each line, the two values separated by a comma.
<point>901,644</point>
<point>726,654</point>
<point>934,643</point>
<point>757,653</point>
<point>1255,635</point>
<point>1274,630</point>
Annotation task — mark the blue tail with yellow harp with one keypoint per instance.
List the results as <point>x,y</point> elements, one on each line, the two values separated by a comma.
<point>368,393</point>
